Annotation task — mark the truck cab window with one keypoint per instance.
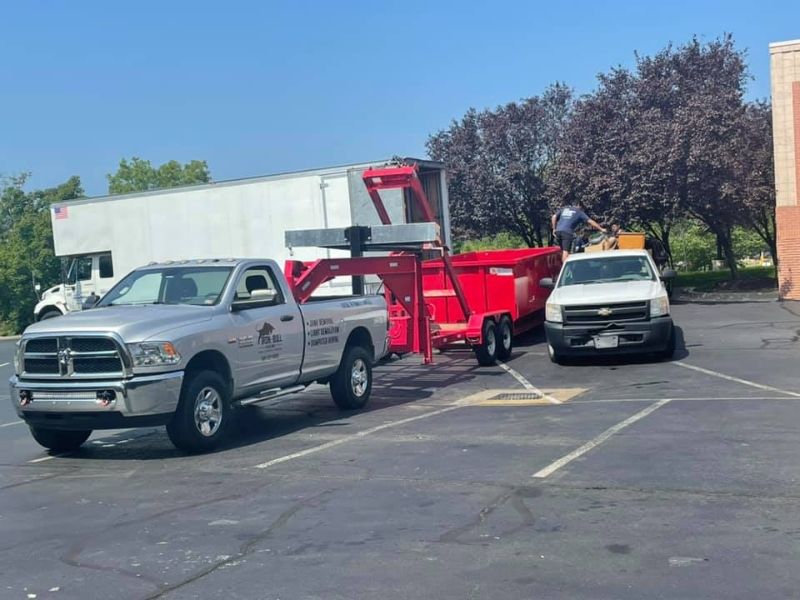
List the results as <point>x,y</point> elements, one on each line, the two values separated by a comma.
<point>257,278</point>
<point>106,266</point>
<point>83,268</point>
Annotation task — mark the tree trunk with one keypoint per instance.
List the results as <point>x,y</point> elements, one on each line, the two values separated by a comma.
<point>665,241</point>
<point>537,237</point>
<point>765,227</point>
<point>726,244</point>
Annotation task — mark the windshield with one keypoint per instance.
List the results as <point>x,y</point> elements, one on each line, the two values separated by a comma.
<point>199,286</point>
<point>606,269</point>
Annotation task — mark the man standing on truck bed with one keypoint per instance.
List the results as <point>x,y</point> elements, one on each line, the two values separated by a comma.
<point>566,221</point>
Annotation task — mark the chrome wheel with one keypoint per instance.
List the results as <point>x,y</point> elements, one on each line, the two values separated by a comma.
<point>505,336</point>
<point>491,342</point>
<point>359,378</point>
<point>208,411</point>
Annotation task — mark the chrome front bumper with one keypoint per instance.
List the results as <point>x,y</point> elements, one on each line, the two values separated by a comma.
<point>136,397</point>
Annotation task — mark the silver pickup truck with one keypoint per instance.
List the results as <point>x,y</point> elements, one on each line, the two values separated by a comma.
<point>185,344</point>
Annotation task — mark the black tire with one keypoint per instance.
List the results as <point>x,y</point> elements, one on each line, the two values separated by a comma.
<point>505,338</point>
<point>50,314</point>
<point>351,385</point>
<point>59,440</point>
<point>486,352</point>
<point>669,351</point>
<point>555,357</point>
<point>203,416</point>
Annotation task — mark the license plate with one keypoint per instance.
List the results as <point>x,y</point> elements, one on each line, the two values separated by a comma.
<point>606,341</point>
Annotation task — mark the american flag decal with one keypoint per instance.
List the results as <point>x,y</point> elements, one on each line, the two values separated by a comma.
<point>61,212</point>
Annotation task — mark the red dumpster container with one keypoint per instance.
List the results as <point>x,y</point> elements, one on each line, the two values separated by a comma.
<point>494,281</point>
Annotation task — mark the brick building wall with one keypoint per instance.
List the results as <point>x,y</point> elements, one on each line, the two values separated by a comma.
<point>785,68</point>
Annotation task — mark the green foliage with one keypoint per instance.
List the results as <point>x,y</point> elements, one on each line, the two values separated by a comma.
<point>139,175</point>
<point>705,281</point>
<point>494,242</point>
<point>26,247</point>
<point>747,243</point>
<point>694,247</point>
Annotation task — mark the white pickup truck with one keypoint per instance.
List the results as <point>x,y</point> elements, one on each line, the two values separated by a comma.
<point>612,302</point>
<point>183,345</point>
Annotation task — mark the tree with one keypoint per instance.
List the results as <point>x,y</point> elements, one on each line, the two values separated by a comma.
<point>659,143</point>
<point>605,159</point>
<point>26,247</point>
<point>139,175</point>
<point>756,170</point>
<point>706,83</point>
<point>499,163</point>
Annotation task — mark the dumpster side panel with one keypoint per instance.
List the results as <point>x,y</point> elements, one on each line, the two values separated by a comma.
<point>493,281</point>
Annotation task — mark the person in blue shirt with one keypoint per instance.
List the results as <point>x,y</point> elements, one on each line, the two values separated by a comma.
<point>566,221</point>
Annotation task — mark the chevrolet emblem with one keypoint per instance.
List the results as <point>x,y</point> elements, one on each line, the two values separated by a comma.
<point>605,312</point>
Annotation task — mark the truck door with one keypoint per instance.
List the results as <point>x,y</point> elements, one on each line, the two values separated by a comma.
<point>80,282</point>
<point>268,335</point>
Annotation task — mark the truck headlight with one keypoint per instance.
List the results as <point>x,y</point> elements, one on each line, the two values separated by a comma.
<point>659,306</point>
<point>552,313</point>
<point>18,358</point>
<point>154,354</point>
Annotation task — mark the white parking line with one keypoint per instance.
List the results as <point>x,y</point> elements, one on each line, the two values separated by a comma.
<point>682,399</point>
<point>354,436</point>
<point>591,444</point>
<point>760,386</point>
<point>4,364</point>
<point>42,459</point>
<point>10,424</point>
<point>527,384</point>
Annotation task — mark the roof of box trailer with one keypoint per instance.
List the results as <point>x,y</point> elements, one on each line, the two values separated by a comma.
<point>423,163</point>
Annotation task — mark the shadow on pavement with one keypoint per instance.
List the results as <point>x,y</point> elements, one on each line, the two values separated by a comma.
<point>396,383</point>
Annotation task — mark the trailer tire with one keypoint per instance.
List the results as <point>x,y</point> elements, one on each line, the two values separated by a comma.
<point>505,338</point>
<point>486,352</point>
<point>203,416</point>
<point>351,385</point>
<point>59,440</point>
<point>50,314</point>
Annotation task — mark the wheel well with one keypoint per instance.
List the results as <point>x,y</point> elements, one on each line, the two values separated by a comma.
<point>360,337</point>
<point>212,360</point>
<point>47,310</point>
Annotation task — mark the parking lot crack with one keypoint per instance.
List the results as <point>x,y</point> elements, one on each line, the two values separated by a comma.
<point>515,497</point>
<point>248,547</point>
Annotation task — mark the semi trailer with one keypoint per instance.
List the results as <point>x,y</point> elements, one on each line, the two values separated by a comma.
<point>102,239</point>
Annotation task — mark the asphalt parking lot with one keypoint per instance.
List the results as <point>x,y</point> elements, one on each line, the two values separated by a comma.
<point>610,479</point>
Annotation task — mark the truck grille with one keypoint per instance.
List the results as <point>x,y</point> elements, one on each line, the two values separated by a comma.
<point>72,357</point>
<point>605,314</point>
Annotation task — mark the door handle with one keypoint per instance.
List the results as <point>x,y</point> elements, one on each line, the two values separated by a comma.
<point>287,318</point>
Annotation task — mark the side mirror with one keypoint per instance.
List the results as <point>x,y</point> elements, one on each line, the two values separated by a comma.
<point>268,295</point>
<point>547,283</point>
<point>668,274</point>
<point>257,299</point>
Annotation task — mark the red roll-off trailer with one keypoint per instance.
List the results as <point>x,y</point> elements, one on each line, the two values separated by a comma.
<point>481,299</point>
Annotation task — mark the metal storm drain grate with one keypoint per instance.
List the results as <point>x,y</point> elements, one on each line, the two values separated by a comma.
<point>516,396</point>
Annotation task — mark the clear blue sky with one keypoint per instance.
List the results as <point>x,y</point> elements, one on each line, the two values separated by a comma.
<point>264,87</point>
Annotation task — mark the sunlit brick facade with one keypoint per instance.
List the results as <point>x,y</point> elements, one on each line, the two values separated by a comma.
<point>785,67</point>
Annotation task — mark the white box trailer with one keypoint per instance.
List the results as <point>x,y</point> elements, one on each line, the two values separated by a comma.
<point>102,239</point>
